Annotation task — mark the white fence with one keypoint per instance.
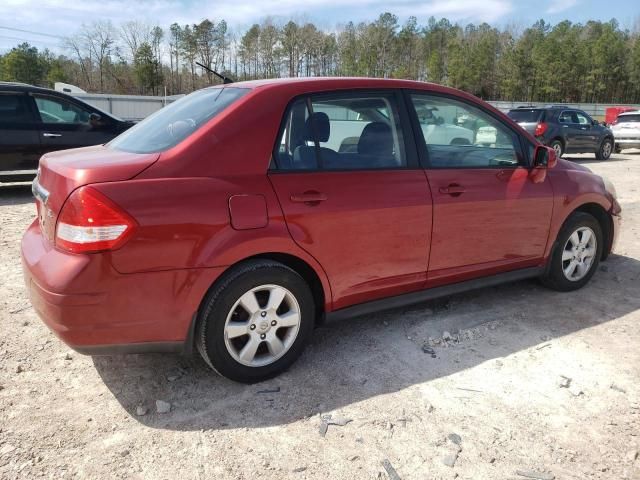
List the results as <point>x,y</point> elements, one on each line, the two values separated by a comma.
<point>137,107</point>
<point>127,107</point>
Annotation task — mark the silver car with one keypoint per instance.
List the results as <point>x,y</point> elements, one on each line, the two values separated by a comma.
<point>626,131</point>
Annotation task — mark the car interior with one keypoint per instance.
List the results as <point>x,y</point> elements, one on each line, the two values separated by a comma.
<point>350,133</point>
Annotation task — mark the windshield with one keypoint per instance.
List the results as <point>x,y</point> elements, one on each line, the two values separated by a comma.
<point>175,122</point>
<point>629,119</point>
<point>524,115</point>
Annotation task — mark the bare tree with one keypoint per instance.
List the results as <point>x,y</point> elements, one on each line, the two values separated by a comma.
<point>99,39</point>
<point>134,34</point>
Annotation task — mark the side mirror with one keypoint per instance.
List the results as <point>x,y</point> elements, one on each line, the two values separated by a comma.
<point>544,157</point>
<point>95,117</point>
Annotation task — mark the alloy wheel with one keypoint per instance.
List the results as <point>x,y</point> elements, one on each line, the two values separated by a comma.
<point>579,253</point>
<point>558,149</point>
<point>262,325</point>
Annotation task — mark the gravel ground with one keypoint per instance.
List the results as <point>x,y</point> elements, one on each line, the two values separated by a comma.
<point>500,383</point>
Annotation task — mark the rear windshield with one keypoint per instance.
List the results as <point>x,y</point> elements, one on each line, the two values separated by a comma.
<point>629,119</point>
<point>525,115</point>
<point>175,122</point>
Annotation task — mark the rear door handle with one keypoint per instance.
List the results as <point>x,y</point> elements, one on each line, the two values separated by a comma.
<point>51,135</point>
<point>454,190</point>
<point>310,197</point>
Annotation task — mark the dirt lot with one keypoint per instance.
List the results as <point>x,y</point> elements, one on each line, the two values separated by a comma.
<point>527,379</point>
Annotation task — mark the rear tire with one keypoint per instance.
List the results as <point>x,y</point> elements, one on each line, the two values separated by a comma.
<point>576,253</point>
<point>604,152</point>
<point>256,321</point>
<point>558,147</point>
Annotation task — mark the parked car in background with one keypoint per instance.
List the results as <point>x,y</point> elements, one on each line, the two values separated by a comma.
<point>34,121</point>
<point>626,130</point>
<point>235,219</point>
<point>566,130</point>
<point>611,113</point>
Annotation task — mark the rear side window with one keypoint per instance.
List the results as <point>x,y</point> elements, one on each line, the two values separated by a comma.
<point>525,115</point>
<point>629,119</point>
<point>459,135</point>
<point>175,122</point>
<point>356,131</point>
<point>14,108</point>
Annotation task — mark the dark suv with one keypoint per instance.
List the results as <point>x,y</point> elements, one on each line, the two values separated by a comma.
<point>565,129</point>
<point>34,121</point>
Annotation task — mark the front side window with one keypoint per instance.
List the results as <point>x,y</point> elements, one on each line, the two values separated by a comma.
<point>583,119</point>
<point>342,132</point>
<point>175,122</point>
<point>59,110</point>
<point>459,135</point>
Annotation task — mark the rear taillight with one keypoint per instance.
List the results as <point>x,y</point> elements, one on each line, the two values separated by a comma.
<point>540,129</point>
<point>90,222</point>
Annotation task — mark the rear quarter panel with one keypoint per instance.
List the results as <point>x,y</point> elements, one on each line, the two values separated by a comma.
<point>184,223</point>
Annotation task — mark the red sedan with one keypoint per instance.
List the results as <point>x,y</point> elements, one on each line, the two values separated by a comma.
<point>238,217</point>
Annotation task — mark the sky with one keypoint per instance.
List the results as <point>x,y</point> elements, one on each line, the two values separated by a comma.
<point>53,19</point>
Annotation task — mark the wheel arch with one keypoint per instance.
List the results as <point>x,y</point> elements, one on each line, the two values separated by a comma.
<point>560,139</point>
<point>604,219</point>
<point>319,289</point>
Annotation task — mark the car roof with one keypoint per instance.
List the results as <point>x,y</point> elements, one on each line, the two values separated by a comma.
<point>25,87</point>
<point>333,82</point>
<point>544,107</point>
<point>303,85</point>
<point>630,112</point>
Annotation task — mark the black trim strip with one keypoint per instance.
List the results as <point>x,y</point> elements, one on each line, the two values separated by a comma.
<point>120,349</point>
<point>432,293</point>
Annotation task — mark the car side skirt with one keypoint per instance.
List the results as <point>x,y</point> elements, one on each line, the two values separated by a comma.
<point>186,347</point>
<point>146,347</point>
<point>433,293</point>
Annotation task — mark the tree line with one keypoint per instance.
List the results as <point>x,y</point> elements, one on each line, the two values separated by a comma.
<point>567,62</point>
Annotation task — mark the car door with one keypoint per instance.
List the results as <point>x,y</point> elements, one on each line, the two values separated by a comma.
<point>353,194</point>
<point>489,215</point>
<point>575,131</point>
<point>19,139</point>
<point>588,133</point>
<point>67,124</point>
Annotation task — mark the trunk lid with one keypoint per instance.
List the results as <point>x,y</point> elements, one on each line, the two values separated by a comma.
<point>60,173</point>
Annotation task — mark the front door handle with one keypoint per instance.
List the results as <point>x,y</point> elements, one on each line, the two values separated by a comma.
<point>310,197</point>
<point>51,135</point>
<point>453,189</point>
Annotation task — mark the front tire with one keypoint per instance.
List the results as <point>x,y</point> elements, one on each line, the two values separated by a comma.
<point>604,152</point>
<point>256,321</point>
<point>576,254</point>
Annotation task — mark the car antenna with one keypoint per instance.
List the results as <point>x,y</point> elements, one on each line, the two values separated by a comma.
<point>224,79</point>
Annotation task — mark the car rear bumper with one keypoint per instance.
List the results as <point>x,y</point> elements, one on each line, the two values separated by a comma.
<point>96,310</point>
<point>617,225</point>
<point>628,142</point>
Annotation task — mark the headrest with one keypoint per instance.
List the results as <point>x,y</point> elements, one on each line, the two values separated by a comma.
<point>321,127</point>
<point>376,139</point>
